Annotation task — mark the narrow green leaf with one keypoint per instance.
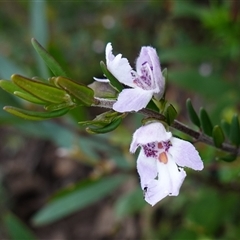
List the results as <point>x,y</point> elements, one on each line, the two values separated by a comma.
<point>218,136</point>
<point>77,198</point>
<point>30,115</point>
<point>9,86</point>
<point>38,21</point>
<point>170,114</point>
<point>108,128</point>
<point>165,75</point>
<point>41,90</point>
<point>48,59</point>
<point>113,81</point>
<point>53,107</point>
<point>79,91</point>
<point>235,131</point>
<point>16,228</point>
<point>192,113</point>
<point>206,123</point>
<point>29,98</point>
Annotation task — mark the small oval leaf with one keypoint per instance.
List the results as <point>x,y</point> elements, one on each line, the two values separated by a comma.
<point>235,131</point>
<point>170,114</point>
<point>206,123</point>
<point>192,113</point>
<point>108,128</point>
<point>228,158</point>
<point>226,128</point>
<point>218,136</point>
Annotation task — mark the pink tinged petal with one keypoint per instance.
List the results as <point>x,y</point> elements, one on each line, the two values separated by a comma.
<point>142,58</point>
<point>144,70</point>
<point>170,176</point>
<point>119,67</point>
<point>149,55</point>
<point>157,73</point>
<point>152,132</point>
<point>146,167</point>
<point>185,154</point>
<point>132,99</point>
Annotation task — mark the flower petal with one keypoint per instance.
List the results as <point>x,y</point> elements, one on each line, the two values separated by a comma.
<point>132,99</point>
<point>157,73</point>
<point>154,192</point>
<point>170,176</point>
<point>152,132</point>
<point>185,154</point>
<point>149,55</point>
<point>119,67</point>
<point>147,168</point>
<point>169,182</point>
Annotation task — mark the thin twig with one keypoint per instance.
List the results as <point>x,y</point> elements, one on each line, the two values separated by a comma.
<point>198,136</point>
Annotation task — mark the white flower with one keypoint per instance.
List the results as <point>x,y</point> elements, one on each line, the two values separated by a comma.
<point>161,160</point>
<point>145,82</point>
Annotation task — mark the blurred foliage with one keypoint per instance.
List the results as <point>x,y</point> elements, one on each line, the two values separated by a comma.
<point>198,41</point>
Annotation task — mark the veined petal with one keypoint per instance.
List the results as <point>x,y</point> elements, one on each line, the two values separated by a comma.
<point>132,99</point>
<point>157,73</point>
<point>170,176</point>
<point>152,132</point>
<point>149,55</point>
<point>146,167</point>
<point>119,67</point>
<point>185,154</point>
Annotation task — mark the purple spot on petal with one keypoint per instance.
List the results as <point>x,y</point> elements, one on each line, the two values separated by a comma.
<point>166,145</point>
<point>150,150</point>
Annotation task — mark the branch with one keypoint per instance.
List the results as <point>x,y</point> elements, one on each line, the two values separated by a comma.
<point>198,136</point>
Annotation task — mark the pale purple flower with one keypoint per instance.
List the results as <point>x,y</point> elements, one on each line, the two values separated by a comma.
<point>161,160</point>
<point>147,81</point>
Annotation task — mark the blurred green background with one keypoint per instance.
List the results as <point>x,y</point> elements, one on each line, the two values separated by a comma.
<point>57,181</point>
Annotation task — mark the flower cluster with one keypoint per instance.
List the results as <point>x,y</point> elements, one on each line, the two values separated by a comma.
<point>162,157</point>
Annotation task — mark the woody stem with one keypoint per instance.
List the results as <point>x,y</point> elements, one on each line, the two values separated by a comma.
<point>198,136</point>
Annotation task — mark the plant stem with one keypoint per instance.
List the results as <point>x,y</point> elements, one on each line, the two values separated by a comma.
<point>198,136</point>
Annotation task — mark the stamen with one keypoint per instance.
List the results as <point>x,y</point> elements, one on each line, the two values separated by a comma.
<point>162,157</point>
